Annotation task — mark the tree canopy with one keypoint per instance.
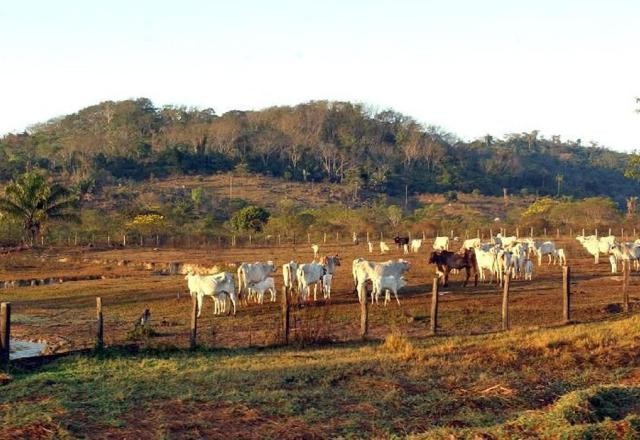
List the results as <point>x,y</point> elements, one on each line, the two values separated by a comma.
<point>349,143</point>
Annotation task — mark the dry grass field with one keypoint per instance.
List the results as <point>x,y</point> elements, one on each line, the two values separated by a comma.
<point>67,310</point>
<point>471,380</point>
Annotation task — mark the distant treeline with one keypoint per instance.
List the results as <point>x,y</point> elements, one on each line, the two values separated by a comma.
<point>381,151</point>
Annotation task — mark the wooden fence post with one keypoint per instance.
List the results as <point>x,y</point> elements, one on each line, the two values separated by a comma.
<point>279,242</point>
<point>324,237</point>
<point>566,294</point>
<point>5,334</point>
<point>505,302</point>
<point>99,325</point>
<point>557,232</point>
<point>124,240</point>
<point>285,315</point>
<point>477,233</point>
<point>194,323</point>
<point>308,238</point>
<point>570,232</point>
<point>626,268</point>
<point>250,239</point>
<point>368,237</point>
<point>517,232</point>
<point>545,232</point>
<point>434,307</point>
<point>583,232</point>
<point>596,232</point>
<point>364,317</point>
<point>609,231</point>
<point>424,235</point>
<point>531,232</point>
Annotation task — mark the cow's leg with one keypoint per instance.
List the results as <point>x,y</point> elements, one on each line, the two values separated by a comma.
<point>466,280</point>
<point>446,276</point>
<point>199,301</point>
<point>395,292</point>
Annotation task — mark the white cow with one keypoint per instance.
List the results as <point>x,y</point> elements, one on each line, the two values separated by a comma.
<point>219,287</point>
<point>487,260</point>
<point>528,270</point>
<point>364,270</point>
<point>389,284</point>
<point>441,244</point>
<point>315,249</point>
<point>471,243</point>
<point>547,248</point>
<point>288,276</point>
<point>326,285</point>
<point>308,274</point>
<point>614,263</point>
<point>251,273</point>
<point>405,249</point>
<point>258,289</point>
<point>416,243</point>
<point>384,247</point>
<point>370,247</point>
<point>595,246</point>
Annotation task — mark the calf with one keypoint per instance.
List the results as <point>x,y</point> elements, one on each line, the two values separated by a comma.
<point>528,270</point>
<point>326,285</point>
<point>259,288</point>
<point>315,249</point>
<point>384,248</point>
<point>389,284</point>
<point>415,245</point>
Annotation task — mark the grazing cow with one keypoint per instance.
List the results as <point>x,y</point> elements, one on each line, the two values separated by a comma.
<point>614,263</point>
<point>326,285</point>
<point>400,241</point>
<point>441,244</point>
<point>384,248</point>
<point>219,287</point>
<point>416,243</point>
<point>547,248</point>
<point>528,270</point>
<point>288,276</point>
<point>258,289</point>
<point>354,238</point>
<point>471,243</point>
<point>250,273</point>
<point>370,247</point>
<point>445,261</point>
<point>315,249</point>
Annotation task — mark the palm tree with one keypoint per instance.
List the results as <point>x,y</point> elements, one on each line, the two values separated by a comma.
<point>32,200</point>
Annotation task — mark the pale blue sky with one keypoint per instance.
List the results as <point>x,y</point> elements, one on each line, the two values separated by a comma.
<point>473,67</point>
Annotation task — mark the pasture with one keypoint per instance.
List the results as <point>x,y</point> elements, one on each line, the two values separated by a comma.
<point>471,378</point>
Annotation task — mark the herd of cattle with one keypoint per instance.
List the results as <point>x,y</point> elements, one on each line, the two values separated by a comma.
<point>500,257</point>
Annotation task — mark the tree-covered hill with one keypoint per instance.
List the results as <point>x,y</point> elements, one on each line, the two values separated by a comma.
<point>339,142</point>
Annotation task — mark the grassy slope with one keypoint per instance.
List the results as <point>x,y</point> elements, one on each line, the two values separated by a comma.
<point>523,384</point>
<point>268,191</point>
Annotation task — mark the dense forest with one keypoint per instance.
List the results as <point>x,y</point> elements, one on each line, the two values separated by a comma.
<point>381,151</point>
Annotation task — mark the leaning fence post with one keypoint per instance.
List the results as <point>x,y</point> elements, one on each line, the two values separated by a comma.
<point>566,294</point>
<point>5,334</point>
<point>99,325</point>
<point>194,323</point>
<point>625,285</point>
<point>364,317</point>
<point>434,307</point>
<point>506,324</point>
<point>285,315</point>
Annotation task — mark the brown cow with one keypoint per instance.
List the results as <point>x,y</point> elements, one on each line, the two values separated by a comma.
<point>446,260</point>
